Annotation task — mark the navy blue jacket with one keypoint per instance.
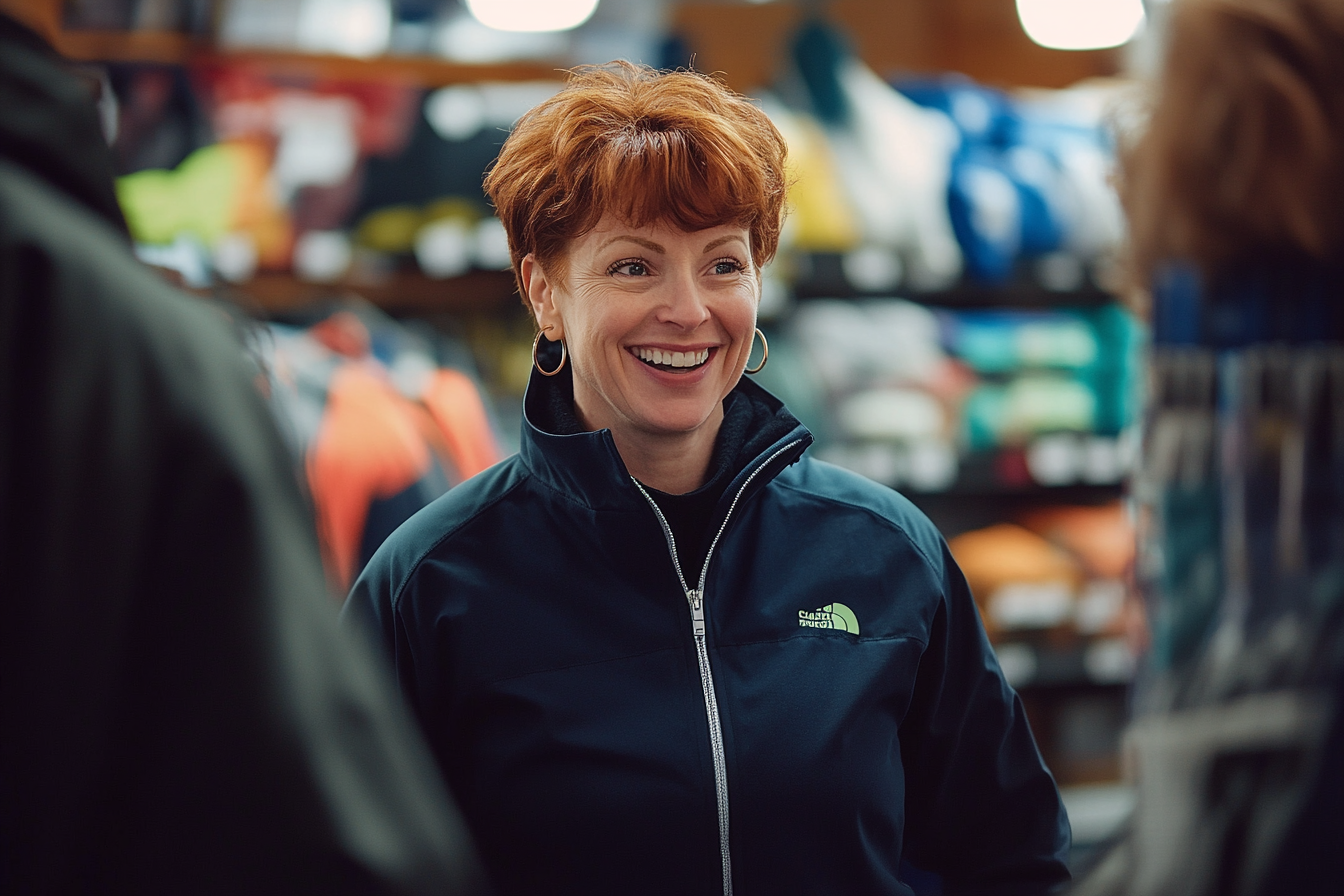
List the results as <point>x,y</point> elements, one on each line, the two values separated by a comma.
<point>820,705</point>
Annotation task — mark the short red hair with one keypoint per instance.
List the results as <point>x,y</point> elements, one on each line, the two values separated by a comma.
<point>647,145</point>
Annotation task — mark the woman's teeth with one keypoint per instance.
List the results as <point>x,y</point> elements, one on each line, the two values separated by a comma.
<point>672,359</point>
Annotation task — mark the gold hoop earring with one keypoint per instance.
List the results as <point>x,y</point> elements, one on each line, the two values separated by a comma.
<point>536,343</point>
<point>765,356</point>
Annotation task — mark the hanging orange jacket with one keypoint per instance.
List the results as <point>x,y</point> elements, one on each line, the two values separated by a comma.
<point>375,455</point>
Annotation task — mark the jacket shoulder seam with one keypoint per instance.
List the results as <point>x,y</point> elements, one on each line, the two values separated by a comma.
<point>567,496</point>
<point>399,592</point>
<point>887,521</point>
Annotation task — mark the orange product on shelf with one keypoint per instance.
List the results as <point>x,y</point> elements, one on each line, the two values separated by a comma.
<point>1006,552</point>
<point>1102,537</point>
<point>455,404</point>
<point>257,211</point>
<point>1018,579</point>
<point>383,445</point>
<point>370,446</point>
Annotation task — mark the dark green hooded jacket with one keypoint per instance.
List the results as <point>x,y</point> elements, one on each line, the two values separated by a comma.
<point>179,711</point>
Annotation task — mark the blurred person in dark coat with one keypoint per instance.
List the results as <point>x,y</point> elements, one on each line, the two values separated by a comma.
<point>178,709</point>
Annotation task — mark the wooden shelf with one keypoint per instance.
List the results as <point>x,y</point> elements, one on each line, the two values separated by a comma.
<point>404,292</point>
<point>127,46</point>
<point>822,277</point>
<point>171,48</point>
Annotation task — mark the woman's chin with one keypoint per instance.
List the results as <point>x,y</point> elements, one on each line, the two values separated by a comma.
<point>679,422</point>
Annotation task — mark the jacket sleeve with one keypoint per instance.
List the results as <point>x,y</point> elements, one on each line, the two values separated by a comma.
<point>982,811</point>
<point>371,611</point>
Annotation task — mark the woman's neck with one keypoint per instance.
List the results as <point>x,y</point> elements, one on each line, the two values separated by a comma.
<point>672,463</point>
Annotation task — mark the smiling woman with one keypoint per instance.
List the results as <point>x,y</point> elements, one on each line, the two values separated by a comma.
<point>641,210</point>
<point>662,609</point>
<point>658,323</point>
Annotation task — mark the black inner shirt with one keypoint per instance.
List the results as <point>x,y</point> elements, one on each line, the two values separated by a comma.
<point>691,515</point>
<point>746,430</point>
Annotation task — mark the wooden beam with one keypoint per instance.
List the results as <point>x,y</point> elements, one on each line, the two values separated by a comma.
<point>749,44</point>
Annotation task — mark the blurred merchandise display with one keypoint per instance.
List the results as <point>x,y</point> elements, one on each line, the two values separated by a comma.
<point>1242,543</point>
<point>939,182</point>
<point>330,182</point>
<point>941,312</point>
<point>890,156</point>
<point>1028,179</point>
<point>1055,591</point>
<point>1240,510</point>
<point>477,31</point>
<point>384,417</point>
<point>928,189</point>
<point>931,399</point>
<point>348,27</point>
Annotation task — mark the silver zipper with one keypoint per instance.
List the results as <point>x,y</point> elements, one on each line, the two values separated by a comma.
<point>696,598</point>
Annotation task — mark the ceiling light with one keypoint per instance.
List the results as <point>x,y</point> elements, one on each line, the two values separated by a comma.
<point>532,15</point>
<point>1080,24</point>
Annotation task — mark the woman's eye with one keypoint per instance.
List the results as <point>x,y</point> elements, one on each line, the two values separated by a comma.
<point>629,268</point>
<point>727,266</point>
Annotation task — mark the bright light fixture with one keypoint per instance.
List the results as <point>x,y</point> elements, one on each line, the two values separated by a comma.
<point>532,15</point>
<point>1080,24</point>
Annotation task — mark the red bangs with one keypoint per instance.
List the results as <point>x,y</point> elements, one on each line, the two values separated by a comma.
<point>663,175</point>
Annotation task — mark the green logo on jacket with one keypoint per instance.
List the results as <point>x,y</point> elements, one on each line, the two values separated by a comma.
<point>830,616</point>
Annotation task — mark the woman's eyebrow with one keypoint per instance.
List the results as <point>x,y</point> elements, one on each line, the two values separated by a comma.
<point>714,244</point>
<point>647,244</point>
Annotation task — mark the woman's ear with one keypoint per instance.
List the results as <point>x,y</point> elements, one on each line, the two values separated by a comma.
<point>541,298</point>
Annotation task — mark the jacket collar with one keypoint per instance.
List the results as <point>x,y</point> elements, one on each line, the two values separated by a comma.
<point>587,468</point>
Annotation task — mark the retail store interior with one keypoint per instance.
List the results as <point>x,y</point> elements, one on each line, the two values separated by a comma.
<point>946,313</point>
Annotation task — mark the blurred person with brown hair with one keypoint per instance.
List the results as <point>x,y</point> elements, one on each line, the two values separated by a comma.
<point>179,710</point>
<point>662,650</point>
<point>1240,158</point>
<point>1234,190</point>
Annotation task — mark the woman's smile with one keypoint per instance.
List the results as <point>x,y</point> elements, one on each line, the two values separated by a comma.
<point>673,360</point>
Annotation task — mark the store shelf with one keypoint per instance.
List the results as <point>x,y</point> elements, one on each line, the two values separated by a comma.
<point>986,486</point>
<point>172,48</point>
<point>1097,813</point>
<point>403,293</point>
<point>164,47</point>
<point>821,275</point>
<point>1031,662</point>
<point>1078,727</point>
<point>1007,471</point>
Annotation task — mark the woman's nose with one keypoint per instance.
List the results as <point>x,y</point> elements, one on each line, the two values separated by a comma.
<point>684,303</point>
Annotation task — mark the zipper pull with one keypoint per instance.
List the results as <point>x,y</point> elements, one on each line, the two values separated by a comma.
<point>697,611</point>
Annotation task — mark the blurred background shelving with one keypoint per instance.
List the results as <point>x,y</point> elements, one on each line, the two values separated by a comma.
<point>944,313</point>
<point>174,48</point>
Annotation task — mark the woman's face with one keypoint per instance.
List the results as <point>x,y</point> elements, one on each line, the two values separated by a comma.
<point>658,323</point>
